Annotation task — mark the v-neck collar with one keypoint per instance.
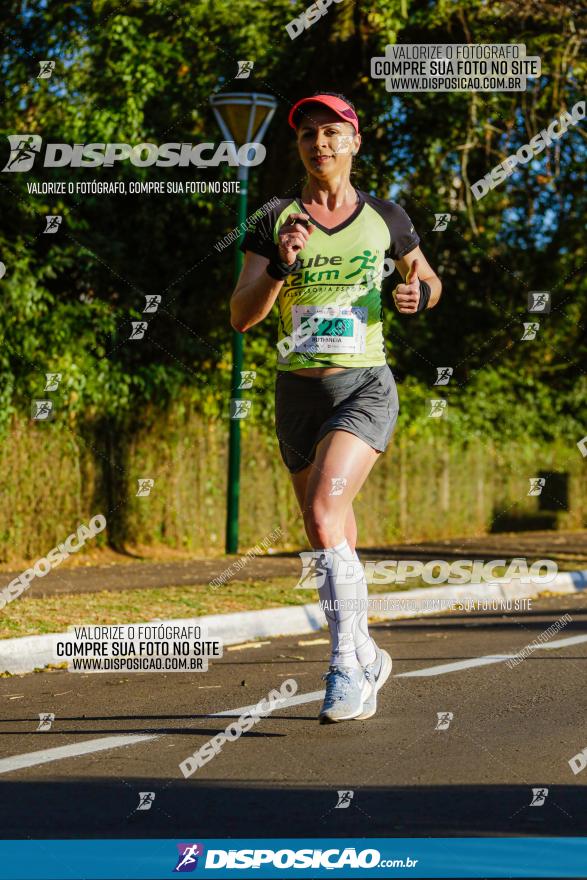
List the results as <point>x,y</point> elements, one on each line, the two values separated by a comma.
<point>333,229</point>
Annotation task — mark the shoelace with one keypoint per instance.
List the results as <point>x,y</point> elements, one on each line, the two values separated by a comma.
<point>335,680</point>
<point>369,671</point>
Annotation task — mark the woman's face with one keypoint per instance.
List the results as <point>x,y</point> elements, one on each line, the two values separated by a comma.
<point>326,144</point>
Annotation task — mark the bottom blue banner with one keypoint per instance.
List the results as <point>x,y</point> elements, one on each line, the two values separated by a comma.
<point>293,857</point>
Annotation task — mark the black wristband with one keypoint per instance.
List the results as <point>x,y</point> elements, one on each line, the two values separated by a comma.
<point>424,296</point>
<point>279,270</point>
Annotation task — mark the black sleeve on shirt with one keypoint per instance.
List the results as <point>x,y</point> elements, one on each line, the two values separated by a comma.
<point>404,237</point>
<point>259,235</point>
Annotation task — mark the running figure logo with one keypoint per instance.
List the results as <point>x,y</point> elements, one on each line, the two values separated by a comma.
<point>537,484</point>
<point>437,408</point>
<point>53,380</point>
<point>139,328</point>
<point>539,301</point>
<point>151,303</point>
<point>366,260</point>
<point>539,795</point>
<point>247,378</point>
<point>41,410</point>
<point>46,69</point>
<point>146,799</point>
<point>23,151</point>
<point>244,69</point>
<point>53,223</point>
<point>239,409</point>
<point>145,486</point>
<point>444,374</point>
<point>312,577</point>
<point>46,719</point>
<point>344,800</point>
<point>338,484</point>
<point>188,854</point>
<point>441,222</point>
<point>530,330</point>
<point>344,145</point>
<point>444,719</point>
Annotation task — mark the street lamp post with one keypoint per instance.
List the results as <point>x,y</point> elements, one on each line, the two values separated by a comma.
<point>243,117</point>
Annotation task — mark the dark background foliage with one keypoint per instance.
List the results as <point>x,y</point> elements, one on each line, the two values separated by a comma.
<point>144,71</point>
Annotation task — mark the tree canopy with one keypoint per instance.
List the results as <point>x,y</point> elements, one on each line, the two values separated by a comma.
<point>144,72</point>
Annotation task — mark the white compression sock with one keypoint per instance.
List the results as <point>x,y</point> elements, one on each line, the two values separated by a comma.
<point>364,644</point>
<point>340,575</point>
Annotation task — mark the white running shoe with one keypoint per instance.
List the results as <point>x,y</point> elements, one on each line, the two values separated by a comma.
<point>346,691</point>
<point>376,674</point>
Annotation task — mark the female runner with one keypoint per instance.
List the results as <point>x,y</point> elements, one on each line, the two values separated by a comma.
<point>321,255</point>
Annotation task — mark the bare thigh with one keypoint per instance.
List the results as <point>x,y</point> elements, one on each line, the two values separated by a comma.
<point>325,489</point>
<point>300,482</point>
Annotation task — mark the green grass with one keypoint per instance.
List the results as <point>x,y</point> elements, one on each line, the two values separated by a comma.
<point>186,453</point>
<point>30,616</point>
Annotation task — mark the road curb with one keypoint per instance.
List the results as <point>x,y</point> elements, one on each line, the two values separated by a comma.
<point>28,653</point>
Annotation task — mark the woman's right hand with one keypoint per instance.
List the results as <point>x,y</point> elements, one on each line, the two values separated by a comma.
<point>293,237</point>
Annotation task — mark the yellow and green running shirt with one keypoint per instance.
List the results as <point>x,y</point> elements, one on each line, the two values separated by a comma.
<point>339,282</point>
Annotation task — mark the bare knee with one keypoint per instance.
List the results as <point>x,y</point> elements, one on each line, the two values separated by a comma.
<point>324,526</point>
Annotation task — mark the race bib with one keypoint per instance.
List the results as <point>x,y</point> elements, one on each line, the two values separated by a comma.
<point>329,329</point>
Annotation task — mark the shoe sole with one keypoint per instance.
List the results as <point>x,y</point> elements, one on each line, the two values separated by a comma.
<point>385,673</point>
<point>324,719</point>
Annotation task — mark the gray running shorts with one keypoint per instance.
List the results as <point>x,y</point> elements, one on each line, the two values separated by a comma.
<point>360,400</point>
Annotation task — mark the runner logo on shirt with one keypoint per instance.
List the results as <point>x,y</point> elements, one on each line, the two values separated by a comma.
<point>306,275</point>
<point>367,259</point>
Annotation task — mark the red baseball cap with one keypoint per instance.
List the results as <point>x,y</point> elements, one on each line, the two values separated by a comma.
<point>340,107</point>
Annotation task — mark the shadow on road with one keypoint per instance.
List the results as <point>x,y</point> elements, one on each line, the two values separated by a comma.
<point>188,809</point>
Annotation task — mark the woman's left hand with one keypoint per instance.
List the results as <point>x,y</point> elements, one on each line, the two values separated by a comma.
<point>407,296</point>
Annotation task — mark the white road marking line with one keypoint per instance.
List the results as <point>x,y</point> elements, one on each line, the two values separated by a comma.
<point>454,667</point>
<point>74,750</point>
<point>280,704</point>
<point>32,759</point>
<point>44,756</point>
<point>443,668</point>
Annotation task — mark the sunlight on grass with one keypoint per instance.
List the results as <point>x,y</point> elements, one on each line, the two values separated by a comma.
<point>30,616</point>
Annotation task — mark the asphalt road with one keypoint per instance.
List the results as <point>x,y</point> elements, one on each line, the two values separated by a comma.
<point>567,549</point>
<point>512,730</point>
